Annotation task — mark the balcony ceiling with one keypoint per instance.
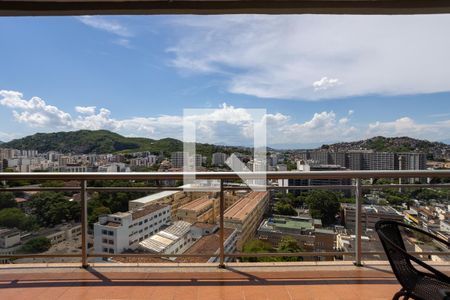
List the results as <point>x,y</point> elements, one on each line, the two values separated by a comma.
<point>129,7</point>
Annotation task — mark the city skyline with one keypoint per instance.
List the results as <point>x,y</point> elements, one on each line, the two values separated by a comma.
<point>135,75</point>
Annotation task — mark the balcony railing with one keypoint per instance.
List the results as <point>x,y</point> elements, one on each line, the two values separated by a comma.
<point>223,178</point>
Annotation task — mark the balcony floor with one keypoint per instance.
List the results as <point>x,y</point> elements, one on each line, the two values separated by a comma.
<point>323,280</point>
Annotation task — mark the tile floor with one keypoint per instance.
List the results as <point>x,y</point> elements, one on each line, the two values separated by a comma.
<point>237,282</point>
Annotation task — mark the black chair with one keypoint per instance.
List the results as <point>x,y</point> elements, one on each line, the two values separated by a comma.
<point>415,284</point>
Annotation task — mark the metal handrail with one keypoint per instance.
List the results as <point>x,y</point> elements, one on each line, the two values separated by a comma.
<point>228,175</point>
<point>222,177</point>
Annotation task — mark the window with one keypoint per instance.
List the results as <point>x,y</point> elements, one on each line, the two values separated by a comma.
<point>111,250</point>
<point>105,249</point>
<point>104,231</point>
<point>110,232</point>
<point>104,241</point>
<point>111,242</point>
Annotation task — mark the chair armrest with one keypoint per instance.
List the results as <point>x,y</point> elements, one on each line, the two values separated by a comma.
<point>429,234</point>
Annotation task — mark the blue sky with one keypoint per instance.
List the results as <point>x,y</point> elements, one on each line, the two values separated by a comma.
<point>321,78</point>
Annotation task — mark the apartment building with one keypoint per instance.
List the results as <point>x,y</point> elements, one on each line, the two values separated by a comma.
<point>146,161</point>
<point>218,159</point>
<point>114,168</point>
<point>367,159</point>
<point>62,233</point>
<point>369,216</point>
<point>307,231</point>
<point>115,233</point>
<point>73,168</point>
<point>177,159</point>
<point>245,215</point>
<point>304,166</point>
<point>204,209</point>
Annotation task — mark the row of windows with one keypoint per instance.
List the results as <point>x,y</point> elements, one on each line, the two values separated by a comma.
<point>149,227</point>
<point>149,219</point>
<point>107,232</point>
<point>107,241</point>
<point>108,250</point>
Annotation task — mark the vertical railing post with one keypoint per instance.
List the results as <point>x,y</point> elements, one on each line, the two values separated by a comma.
<point>84,224</point>
<point>221,221</point>
<point>358,223</point>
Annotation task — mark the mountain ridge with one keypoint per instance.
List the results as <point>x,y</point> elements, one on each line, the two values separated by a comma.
<point>104,141</point>
<point>389,144</point>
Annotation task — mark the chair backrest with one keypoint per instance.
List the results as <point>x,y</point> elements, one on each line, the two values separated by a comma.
<point>390,235</point>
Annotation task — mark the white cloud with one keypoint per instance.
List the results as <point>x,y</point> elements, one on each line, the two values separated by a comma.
<point>406,126</point>
<point>325,83</point>
<point>87,110</point>
<point>322,127</point>
<point>35,111</point>
<point>308,56</point>
<point>106,24</point>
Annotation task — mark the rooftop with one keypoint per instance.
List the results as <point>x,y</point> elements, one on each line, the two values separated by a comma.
<point>161,240</point>
<point>206,244</point>
<point>288,223</point>
<point>5,232</point>
<point>375,209</point>
<point>240,209</point>
<point>112,224</point>
<point>154,197</point>
<point>145,210</point>
<point>198,204</point>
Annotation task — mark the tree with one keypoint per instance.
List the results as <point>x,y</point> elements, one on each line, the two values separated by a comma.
<point>258,246</point>
<point>96,212</point>
<point>395,200</point>
<point>288,244</point>
<point>284,208</point>
<point>323,205</point>
<point>53,208</point>
<point>7,200</point>
<point>15,218</point>
<point>36,245</point>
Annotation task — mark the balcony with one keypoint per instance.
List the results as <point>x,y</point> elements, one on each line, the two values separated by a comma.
<point>138,277</point>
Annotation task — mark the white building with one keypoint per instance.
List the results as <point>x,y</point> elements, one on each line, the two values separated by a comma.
<point>218,159</point>
<point>177,159</point>
<point>9,238</point>
<point>118,232</point>
<point>73,168</point>
<point>114,168</point>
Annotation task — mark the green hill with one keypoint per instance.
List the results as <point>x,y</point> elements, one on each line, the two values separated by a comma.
<point>104,141</point>
<point>388,144</point>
